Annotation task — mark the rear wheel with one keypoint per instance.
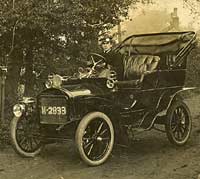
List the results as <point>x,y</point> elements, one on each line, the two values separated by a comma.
<point>95,138</point>
<point>25,136</point>
<point>178,123</point>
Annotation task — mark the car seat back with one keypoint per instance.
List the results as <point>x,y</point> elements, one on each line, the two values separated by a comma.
<point>137,65</point>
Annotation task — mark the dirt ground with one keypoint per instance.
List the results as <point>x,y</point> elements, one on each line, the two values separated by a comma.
<point>151,157</point>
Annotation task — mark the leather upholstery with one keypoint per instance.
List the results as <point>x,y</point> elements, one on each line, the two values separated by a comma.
<point>137,65</point>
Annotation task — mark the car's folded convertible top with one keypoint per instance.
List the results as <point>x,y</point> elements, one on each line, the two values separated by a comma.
<point>157,43</point>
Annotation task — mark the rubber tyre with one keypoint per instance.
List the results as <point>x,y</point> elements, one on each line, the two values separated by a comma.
<point>86,120</point>
<point>15,144</point>
<point>176,104</point>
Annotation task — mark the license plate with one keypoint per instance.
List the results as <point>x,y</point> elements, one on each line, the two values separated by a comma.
<point>53,110</point>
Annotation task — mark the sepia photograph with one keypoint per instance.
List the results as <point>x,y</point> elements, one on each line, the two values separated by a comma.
<point>100,89</point>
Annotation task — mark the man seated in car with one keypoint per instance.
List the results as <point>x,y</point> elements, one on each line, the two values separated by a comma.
<point>114,60</point>
<point>128,67</point>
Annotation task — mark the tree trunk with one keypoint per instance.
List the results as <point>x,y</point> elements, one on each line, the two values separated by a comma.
<point>29,77</point>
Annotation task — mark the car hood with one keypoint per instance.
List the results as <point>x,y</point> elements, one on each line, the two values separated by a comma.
<point>86,87</point>
<point>81,87</point>
<point>77,91</point>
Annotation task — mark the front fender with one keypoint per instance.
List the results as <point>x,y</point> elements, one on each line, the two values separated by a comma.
<point>86,104</point>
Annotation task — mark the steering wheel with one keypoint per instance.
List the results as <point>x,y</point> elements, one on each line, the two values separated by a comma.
<point>96,59</point>
<point>91,71</point>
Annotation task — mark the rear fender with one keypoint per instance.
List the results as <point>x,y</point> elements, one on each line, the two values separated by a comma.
<point>168,98</point>
<point>165,101</point>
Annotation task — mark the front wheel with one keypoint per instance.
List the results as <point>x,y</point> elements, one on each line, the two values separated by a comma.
<point>95,138</point>
<point>25,137</point>
<point>178,123</point>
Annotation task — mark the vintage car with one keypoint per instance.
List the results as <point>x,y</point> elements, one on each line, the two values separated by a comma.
<point>134,88</point>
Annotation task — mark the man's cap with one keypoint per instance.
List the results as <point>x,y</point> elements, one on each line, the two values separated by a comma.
<point>105,39</point>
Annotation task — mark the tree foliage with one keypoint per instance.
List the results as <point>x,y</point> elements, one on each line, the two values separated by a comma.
<point>52,33</point>
<point>55,28</point>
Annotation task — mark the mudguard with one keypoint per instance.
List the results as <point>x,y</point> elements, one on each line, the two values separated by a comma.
<point>166,99</point>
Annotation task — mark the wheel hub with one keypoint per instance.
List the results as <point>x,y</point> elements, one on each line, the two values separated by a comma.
<point>99,138</point>
<point>182,122</point>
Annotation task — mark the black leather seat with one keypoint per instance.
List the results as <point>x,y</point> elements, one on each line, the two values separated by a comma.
<point>137,65</point>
